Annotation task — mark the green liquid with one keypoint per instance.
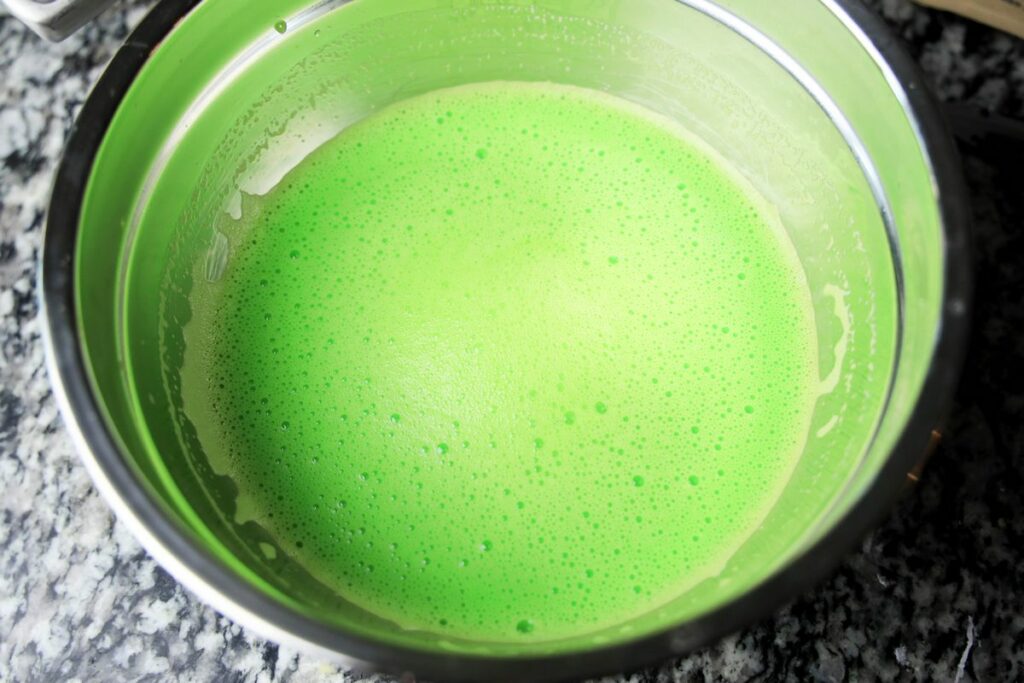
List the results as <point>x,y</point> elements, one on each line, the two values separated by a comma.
<point>505,362</point>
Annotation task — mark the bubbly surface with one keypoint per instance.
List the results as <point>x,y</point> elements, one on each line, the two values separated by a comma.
<point>504,362</point>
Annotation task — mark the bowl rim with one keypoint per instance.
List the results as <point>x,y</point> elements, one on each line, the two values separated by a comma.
<point>198,570</point>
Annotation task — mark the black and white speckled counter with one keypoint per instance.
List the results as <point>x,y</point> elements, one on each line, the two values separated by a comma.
<point>936,594</point>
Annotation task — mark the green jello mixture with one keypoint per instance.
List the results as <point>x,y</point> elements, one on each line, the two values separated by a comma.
<point>507,361</point>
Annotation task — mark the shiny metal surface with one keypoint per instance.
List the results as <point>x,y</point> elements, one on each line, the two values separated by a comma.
<point>922,397</point>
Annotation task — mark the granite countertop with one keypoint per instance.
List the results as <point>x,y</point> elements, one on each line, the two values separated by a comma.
<point>934,594</point>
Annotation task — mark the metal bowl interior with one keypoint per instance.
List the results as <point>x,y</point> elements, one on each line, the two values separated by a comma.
<point>811,101</point>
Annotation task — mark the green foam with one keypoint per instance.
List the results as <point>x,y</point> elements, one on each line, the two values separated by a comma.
<point>505,362</point>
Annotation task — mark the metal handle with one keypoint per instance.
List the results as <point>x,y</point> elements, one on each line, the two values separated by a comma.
<point>56,19</point>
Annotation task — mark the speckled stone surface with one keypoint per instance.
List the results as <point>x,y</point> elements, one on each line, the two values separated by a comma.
<point>937,593</point>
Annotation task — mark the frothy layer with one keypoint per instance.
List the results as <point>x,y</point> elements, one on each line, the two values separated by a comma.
<point>506,361</point>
